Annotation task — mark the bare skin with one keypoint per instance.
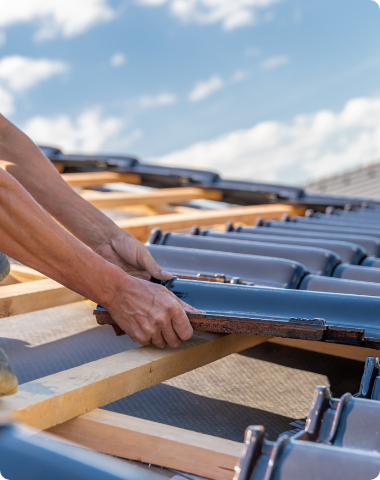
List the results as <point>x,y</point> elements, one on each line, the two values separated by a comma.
<point>105,270</point>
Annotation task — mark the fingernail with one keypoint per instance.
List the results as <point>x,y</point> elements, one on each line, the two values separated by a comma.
<point>164,272</point>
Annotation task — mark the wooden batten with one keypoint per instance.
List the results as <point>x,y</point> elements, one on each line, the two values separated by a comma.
<point>49,401</point>
<point>22,274</point>
<point>154,197</point>
<point>141,227</point>
<point>95,179</point>
<point>337,350</point>
<point>150,442</point>
<point>32,296</point>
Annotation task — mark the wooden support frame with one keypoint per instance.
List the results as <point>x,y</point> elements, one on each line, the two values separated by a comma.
<point>150,442</point>
<point>141,227</point>
<point>335,349</point>
<point>60,402</point>
<point>22,274</point>
<point>95,179</point>
<point>52,400</point>
<point>154,197</point>
<point>33,296</point>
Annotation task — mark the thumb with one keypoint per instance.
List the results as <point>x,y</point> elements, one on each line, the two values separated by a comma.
<point>148,263</point>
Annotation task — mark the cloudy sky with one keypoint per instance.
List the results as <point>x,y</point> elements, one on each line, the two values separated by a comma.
<point>272,90</point>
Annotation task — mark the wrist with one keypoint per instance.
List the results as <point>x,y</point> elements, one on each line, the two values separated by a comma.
<point>113,280</point>
<point>107,239</point>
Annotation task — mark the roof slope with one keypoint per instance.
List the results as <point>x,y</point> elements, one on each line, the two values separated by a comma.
<point>362,182</point>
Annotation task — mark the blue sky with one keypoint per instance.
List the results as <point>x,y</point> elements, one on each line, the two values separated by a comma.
<point>285,91</point>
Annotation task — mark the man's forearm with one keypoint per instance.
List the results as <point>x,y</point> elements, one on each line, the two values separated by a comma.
<point>30,236</point>
<point>149,313</point>
<point>20,157</point>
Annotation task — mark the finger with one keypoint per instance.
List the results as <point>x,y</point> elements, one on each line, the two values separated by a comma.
<point>189,308</point>
<point>180,322</point>
<point>135,333</point>
<point>186,306</point>
<point>142,275</point>
<point>148,263</point>
<point>170,337</point>
<point>158,340</point>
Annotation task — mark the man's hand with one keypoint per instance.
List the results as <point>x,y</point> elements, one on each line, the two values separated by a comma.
<point>132,256</point>
<point>150,314</point>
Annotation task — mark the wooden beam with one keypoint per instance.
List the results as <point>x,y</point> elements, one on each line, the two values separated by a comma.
<point>345,351</point>
<point>141,227</point>
<point>154,197</point>
<point>95,179</point>
<point>22,273</point>
<point>150,442</point>
<point>52,400</point>
<point>33,296</point>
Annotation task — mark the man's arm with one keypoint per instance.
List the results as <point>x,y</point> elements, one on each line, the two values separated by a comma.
<point>149,313</point>
<point>20,157</point>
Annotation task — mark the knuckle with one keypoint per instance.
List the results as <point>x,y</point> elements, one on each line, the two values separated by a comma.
<point>160,321</point>
<point>142,339</point>
<point>149,331</point>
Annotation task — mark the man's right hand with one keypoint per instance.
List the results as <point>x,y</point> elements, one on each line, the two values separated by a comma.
<point>150,313</point>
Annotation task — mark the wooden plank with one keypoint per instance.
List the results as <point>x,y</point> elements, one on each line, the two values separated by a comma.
<point>335,349</point>
<point>95,179</point>
<point>51,400</point>
<point>33,296</point>
<point>23,274</point>
<point>141,227</point>
<point>150,442</point>
<point>164,195</point>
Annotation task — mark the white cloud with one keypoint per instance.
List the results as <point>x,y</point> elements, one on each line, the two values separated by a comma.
<point>205,88</point>
<point>275,62</point>
<point>231,14</point>
<point>118,59</point>
<point>160,100</point>
<point>7,106</point>
<point>239,76</point>
<point>88,132</point>
<point>21,73</point>
<point>308,147</point>
<point>55,17</point>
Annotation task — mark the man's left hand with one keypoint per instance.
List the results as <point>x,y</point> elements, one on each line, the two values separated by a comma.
<point>132,256</point>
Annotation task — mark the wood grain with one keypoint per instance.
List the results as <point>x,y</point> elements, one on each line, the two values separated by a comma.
<point>95,179</point>
<point>164,195</point>
<point>51,400</point>
<point>150,442</point>
<point>141,227</point>
<point>337,350</point>
<point>23,274</point>
<point>33,296</point>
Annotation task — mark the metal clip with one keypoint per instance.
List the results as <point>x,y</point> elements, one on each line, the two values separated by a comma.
<point>311,321</point>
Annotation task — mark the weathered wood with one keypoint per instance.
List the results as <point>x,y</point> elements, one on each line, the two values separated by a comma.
<point>8,380</point>
<point>337,350</point>
<point>94,179</point>
<point>141,227</point>
<point>247,326</point>
<point>150,442</point>
<point>33,296</point>
<point>57,398</point>
<point>165,195</point>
